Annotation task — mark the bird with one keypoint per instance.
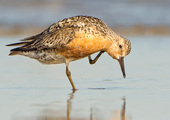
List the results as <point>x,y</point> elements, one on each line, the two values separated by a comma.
<point>71,39</point>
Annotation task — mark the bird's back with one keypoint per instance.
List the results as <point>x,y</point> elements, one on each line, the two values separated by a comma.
<point>57,37</point>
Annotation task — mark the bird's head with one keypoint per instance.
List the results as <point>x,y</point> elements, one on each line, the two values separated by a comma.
<point>118,49</point>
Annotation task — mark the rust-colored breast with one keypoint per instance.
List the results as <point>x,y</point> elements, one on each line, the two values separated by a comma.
<point>84,45</point>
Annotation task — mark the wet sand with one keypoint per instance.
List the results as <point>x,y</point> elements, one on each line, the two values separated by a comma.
<point>133,30</point>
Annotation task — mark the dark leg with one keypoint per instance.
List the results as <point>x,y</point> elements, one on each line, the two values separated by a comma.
<point>68,73</point>
<point>96,58</point>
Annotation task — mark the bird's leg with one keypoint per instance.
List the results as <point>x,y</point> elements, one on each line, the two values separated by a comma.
<point>96,58</point>
<point>68,73</point>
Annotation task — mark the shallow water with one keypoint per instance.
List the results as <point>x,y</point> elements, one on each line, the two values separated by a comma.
<point>32,91</point>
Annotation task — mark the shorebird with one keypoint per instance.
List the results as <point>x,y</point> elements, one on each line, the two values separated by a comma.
<point>72,39</point>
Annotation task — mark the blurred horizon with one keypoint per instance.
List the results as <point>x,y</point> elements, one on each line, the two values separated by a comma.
<point>33,91</point>
<point>124,16</point>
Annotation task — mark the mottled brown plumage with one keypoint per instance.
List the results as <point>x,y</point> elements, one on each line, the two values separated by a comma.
<point>72,39</point>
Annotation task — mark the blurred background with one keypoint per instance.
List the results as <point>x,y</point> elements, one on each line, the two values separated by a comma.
<point>32,91</point>
<point>124,16</point>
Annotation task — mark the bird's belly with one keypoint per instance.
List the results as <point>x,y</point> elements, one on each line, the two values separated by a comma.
<point>46,57</point>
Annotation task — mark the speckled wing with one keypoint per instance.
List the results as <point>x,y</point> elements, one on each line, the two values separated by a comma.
<point>60,33</point>
<point>53,37</point>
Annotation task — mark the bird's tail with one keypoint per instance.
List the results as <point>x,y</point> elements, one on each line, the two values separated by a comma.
<point>23,45</point>
<point>18,50</point>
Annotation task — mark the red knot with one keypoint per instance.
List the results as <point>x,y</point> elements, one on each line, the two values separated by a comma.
<point>72,39</point>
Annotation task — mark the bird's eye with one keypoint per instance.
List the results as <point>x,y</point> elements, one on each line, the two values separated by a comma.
<point>120,46</point>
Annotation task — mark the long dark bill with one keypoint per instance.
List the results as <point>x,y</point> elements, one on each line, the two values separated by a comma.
<point>121,62</point>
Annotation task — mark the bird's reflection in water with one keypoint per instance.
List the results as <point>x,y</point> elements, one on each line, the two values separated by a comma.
<point>71,96</point>
<point>49,114</point>
<point>123,111</point>
<point>121,114</point>
<point>117,115</point>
